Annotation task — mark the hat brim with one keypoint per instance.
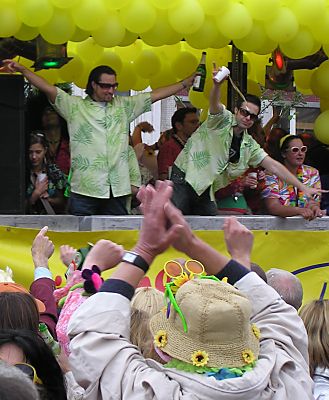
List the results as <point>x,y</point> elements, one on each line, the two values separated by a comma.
<point>10,287</point>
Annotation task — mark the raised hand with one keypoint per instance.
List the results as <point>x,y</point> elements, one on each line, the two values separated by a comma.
<point>239,241</point>
<point>67,254</point>
<point>105,254</point>
<point>42,248</point>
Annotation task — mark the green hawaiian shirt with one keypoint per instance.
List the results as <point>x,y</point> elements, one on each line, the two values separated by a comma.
<point>100,155</point>
<point>205,157</point>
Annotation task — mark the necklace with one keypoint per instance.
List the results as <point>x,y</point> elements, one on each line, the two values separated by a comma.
<point>178,139</point>
<point>296,196</point>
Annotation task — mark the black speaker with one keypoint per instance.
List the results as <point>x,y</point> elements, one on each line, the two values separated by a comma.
<point>12,145</point>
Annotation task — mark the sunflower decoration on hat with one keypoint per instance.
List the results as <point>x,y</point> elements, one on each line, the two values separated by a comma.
<point>206,327</point>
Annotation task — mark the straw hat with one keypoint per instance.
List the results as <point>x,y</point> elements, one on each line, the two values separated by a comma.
<point>11,287</point>
<point>219,330</point>
<point>148,299</point>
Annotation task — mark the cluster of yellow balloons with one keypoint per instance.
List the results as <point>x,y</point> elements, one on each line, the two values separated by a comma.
<point>141,39</point>
<point>299,26</point>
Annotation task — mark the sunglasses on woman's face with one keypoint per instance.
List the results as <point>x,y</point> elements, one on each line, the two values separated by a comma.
<point>296,149</point>
<point>30,371</point>
<point>245,113</point>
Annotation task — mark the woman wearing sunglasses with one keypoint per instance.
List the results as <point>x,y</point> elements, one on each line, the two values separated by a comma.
<point>26,351</point>
<point>285,200</point>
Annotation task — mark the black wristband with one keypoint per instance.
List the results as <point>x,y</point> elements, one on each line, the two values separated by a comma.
<point>135,259</point>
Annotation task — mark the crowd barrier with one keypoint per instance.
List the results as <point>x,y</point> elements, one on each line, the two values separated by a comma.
<point>293,244</point>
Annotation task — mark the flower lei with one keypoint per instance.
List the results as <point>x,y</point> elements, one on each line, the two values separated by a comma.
<point>296,197</point>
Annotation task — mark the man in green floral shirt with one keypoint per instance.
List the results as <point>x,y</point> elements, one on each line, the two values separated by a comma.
<point>220,151</point>
<point>103,168</point>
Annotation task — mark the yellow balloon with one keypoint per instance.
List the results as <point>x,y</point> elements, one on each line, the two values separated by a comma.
<point>164,77</point>
<point>79,35</point>
<point>220,57</point>
<point>254,40</point>
<point>187,17</point>
<point>162,32</point>
<point>51,75</point>
<point>253,88</point>
<point>214,7</point>
<point>140,84</point>
<point>301,45</point>
<point>127,77</point>
<point>206,35</point>
<point>9,21</point>
<point>268,46</point>
<point>90,15</point>
<point>283,27</point>
<point>131,52</point>
<point>321,127</point>
<point>320,29</point>
<point>81,80</point>
<point>72,70</point>
<point>236,22</point>
<point>257,67</point>
<point>111,33</point>
<point>164,5</point>
<point>204,114</point>
<point>89,49</point>
<point>59,28</point>
<point>26,33</point>
<point>324,104</point>
<point>138,16</point>
<point>128,39</point>
<point>111,59</point>
<point>116,4</point>
<point>147,64</point>
<point>320,80</point>
<point>262,10</point>
<point>308,12</point>
<point>34,12</point>
<point>303,78</point>
<point>198,99</point>
<point>24,61</point>
<point>184,64</point>
<point>64,3</point>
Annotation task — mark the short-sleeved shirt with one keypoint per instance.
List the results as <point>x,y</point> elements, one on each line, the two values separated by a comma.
<point>167,155</point>
<point>205,157</point>
<point>99,141</point>
<point>288,195</point>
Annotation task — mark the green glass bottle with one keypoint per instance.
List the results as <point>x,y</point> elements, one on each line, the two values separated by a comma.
<point>201,73</point>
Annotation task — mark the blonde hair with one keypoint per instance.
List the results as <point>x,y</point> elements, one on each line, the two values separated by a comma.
<point>315,316</point>
<point>146,302</point>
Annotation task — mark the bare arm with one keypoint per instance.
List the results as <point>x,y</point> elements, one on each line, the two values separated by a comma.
<point>281,171</point>
<point>49,90</point>
<point>274,207</point>
<point>166,91</point>
<point>215,106</point>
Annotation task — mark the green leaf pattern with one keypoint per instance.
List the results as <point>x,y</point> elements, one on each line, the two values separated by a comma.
<point>200,159</point>
<point>204,159</point>
<point>84,135</point>
<point>100,157</point>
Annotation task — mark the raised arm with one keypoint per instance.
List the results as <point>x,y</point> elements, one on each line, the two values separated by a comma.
<point>49,90</point>
<point>215,106</point>
<point>166,91</point>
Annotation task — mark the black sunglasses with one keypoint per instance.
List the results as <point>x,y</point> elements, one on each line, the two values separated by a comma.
<point>108,85</point>
<point>246,113</point>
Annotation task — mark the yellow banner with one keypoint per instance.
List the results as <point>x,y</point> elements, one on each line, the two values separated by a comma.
<point>303,253</point>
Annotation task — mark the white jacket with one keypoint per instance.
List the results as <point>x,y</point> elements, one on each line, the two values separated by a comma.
<point>109,367</point>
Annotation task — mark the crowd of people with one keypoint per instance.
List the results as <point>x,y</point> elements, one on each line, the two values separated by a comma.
<point>228,164</point>
<point>222,329</point>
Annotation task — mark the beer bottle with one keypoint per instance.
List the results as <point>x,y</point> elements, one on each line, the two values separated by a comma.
<point>200,78</point>
<point>49,340</point>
